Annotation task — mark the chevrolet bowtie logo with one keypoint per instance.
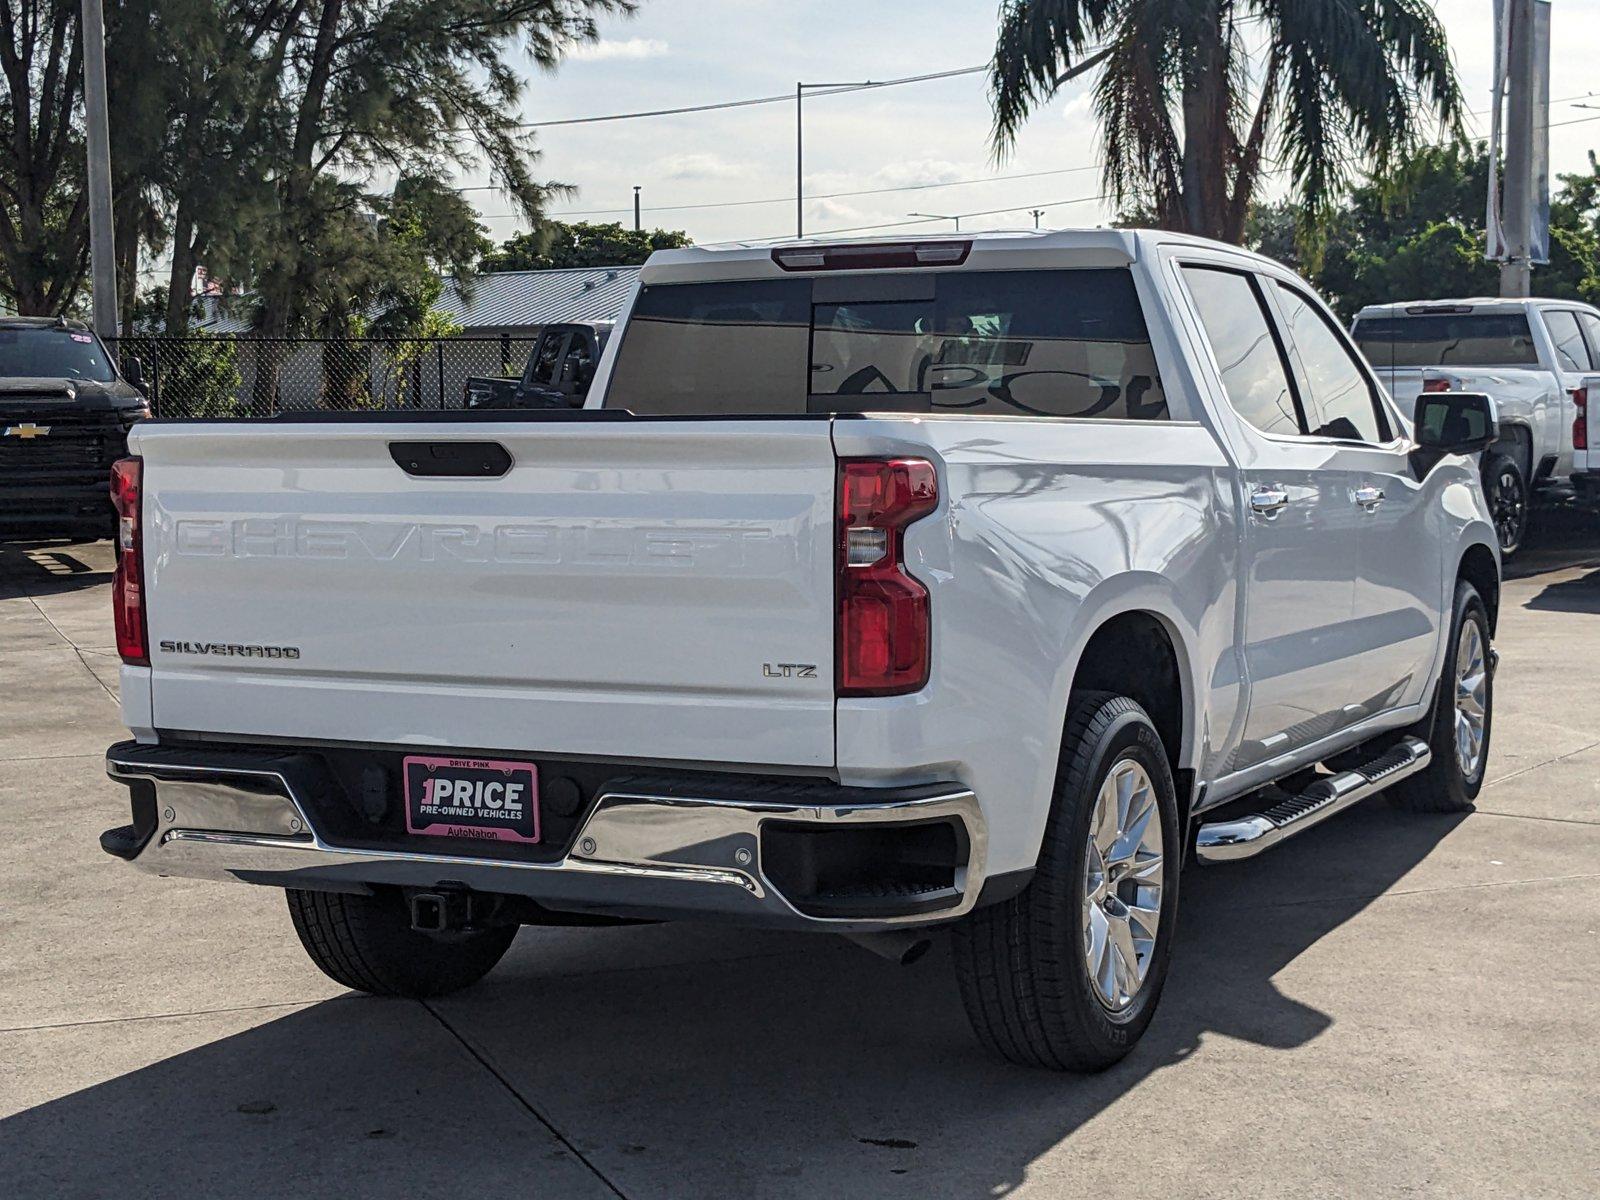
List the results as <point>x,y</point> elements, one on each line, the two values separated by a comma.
<point>29,430</point>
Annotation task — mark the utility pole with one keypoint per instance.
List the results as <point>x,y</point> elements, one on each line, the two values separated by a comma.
<point>1516,271</point>
<point>799,145</point>
<point>102,247</point>
<point>1037,213</point>
<point>637,226</point>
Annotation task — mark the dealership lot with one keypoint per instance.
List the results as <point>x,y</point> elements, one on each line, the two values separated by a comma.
<point>1388,1005</point>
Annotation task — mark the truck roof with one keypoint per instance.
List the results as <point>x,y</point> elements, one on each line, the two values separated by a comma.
<point>989,249</point>
<point>1483,304</point>
<point>42,323</point>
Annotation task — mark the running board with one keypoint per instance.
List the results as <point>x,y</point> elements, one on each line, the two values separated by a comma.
<point>1229,841</point>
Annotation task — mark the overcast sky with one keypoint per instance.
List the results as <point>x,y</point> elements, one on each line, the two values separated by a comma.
<point>682,52</point>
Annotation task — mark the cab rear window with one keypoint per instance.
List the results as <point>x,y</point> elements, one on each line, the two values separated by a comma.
<point>1447,340</point>
<point>1018,343</point>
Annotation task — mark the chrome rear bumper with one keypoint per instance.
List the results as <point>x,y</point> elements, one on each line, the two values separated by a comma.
<point>650,854</point>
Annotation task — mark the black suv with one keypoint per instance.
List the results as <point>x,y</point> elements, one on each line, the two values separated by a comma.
<point>65,412</point>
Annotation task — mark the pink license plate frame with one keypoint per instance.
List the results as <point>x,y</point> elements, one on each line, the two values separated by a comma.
<point>464,798</point>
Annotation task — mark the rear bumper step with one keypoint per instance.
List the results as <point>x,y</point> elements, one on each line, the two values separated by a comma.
<point>1245,837</point>
<point>800,854</point>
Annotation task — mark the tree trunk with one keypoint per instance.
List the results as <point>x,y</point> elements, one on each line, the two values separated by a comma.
<point>1206,131</point>
<point>181,276</point>
<point>126,234</point>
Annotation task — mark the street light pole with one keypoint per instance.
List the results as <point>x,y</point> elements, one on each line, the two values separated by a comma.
<point>102,245</point>
<point>799,148</point>
<point>940,217</point>
<point>1516,272</point>
<point>637,225</point>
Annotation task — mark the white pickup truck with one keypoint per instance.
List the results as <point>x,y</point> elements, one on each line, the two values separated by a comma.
<point>975,583</point>
<point>1538,359</point>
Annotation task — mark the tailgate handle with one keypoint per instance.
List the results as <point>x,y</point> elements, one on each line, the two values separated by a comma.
<point>457,460</point>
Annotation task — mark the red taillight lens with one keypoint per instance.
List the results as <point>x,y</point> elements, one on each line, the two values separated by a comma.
<point>127,586</point>
<point>1435,383</point>
<point>883,611</point>
<point>1580,423</point>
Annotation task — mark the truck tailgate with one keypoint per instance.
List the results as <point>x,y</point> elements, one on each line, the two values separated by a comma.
<point>618,592</point>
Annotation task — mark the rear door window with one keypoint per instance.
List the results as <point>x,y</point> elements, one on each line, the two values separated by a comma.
<point>1591,327</point>
<point>1335,392</point>
<point>1448,340</point>
<point>1571,352</point>
<point>1020,343</point>
<point>1254,373</point>
<point>547,356</point>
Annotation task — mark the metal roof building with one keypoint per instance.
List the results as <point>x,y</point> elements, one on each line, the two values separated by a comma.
<point>521,301</point>
<point>511,302</point>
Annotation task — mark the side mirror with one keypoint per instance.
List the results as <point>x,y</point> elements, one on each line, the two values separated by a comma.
<point>133,372</point>
<point>1456,422</point>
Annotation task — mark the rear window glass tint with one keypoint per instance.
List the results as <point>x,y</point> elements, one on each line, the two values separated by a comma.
<point>1029,343</point>
<point>1447,340</point>
<point>715,349</point>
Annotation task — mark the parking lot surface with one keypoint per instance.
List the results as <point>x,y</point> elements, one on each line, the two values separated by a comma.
<point>1389,1005</point>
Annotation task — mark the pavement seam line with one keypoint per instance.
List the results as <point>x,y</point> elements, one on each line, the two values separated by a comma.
<point>1430,891</point>
<point>170,1016</point>
<point>39,608</point>
<point>1489,812</point>
<point>524,1101</point>
<point>1535,766</point>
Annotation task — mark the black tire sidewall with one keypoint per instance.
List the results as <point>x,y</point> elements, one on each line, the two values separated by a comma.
<point>1496,467</point>
<point>1468,606</point>
<point>1129,735</point>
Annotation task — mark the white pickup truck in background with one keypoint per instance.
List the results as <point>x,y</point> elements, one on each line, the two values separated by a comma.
<point>973,582</point>
<point>1539,360</point>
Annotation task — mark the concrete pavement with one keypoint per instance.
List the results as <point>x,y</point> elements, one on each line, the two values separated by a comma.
<point>1389,1005</point>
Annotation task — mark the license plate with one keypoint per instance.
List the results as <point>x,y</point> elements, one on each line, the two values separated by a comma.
<point>472,798</point>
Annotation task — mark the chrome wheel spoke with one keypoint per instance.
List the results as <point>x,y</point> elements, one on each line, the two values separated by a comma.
<point>1124,874</point>
<point>1471,698</point>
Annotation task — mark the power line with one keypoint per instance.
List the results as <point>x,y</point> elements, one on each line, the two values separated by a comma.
<point>784,98</point>
<point>907,187</point>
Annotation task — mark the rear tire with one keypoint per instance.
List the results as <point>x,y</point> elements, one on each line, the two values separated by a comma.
<point>1024,965</point>
<point>1454,777</point>
<point>1505,488</point>
<point>367,943</point>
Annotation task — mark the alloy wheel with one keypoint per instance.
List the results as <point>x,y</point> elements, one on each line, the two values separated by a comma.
<point>1472,699</point>
<point>1508,509</point>
<point>1124,874</point>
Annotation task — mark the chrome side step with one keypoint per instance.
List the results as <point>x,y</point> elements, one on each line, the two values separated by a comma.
<point>1245,837</point>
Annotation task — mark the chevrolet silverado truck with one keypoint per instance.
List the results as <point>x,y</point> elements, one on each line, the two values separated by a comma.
<point>558,373</point>
<point>65,412</point>
<point>1538,359</point>
<point>879,587</point>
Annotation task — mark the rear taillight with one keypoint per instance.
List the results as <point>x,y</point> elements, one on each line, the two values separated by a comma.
<point>1580,422</point>
<point>127,586</point>
<point>883,630</point>
<point>1435,383</point>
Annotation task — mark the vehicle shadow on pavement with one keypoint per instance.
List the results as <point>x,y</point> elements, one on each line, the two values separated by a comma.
<point>1580,595</point>
<point>810,1069</point>
<point>44,568</point>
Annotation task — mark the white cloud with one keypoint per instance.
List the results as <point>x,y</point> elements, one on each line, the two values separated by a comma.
<point>696,166</point>
<point>632,48</point>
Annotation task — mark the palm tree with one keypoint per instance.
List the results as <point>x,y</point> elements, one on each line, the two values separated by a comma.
<point>1195,97</point>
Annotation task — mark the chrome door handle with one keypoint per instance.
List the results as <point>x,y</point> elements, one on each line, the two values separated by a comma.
<point>1368,497</point>
<point>1267,499</point>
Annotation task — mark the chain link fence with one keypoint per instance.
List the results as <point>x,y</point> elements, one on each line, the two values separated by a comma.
<point>213,375</point>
